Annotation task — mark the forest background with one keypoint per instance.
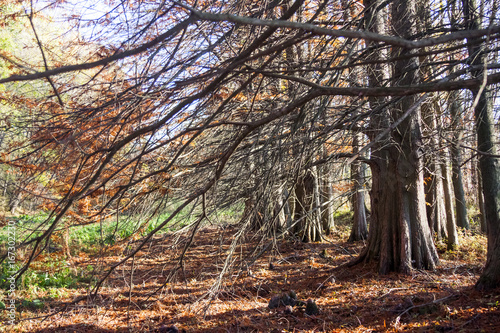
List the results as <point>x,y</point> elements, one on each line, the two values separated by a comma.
<point>231,165</point>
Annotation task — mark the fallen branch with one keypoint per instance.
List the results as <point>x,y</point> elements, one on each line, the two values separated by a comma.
<point>436,301</point>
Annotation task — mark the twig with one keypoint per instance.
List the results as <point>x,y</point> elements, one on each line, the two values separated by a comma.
<point>322,283</point>
<point>390,291</point>
<point>469,321</point>
<point>45,63</point>
<point>366,35</point>
<point>436,301</point>
<point>180,262</point>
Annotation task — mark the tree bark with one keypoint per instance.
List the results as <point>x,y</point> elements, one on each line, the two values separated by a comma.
<point>488,164</point>
<point>480,201</point>
<point>436,210</point>
<point>306,219</point>
<point>280,209</point>
<point>439,216</point>
<point>327,218</point>
<point>317,209</point>
<point>456,160</point>
<point>398,199</point>
<point>451,227</point>
<point>490,174</point>
<point>359,229</point>
<point>14,201</point>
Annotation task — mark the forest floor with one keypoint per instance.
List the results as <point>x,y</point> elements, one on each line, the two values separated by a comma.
<point>349,299</point>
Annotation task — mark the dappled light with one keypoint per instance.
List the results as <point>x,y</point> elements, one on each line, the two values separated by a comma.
<point>242,166</point>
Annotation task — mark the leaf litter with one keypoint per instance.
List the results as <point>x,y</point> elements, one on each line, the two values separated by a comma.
<point>294,275</point>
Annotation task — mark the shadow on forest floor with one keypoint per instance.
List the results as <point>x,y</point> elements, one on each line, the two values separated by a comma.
<point>349,299</point>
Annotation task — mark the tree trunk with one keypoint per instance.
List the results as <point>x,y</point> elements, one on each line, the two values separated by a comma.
<point>439,217</point>
<point>253,201</point>
<point>398,199</point>
<point>307,226</point>
<point>287,209</point>
<point>488,164</point>
<point>482,214</point>
<point>436,210</point>
<point>249,214</point>
<point>280,210</point>
<point>451,226</point>
<point>327,221</point>
<point>359,229</point>
<point>14,201</point>
<point>420,245</point>
<point>490,174</point>
<point>456,160</point>
<point>317,210</point>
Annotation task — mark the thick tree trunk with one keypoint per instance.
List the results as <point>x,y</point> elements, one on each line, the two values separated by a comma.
<point>410,165</point>
<point>399,237</point>
<point>490,174</point>
<point>381,231</point>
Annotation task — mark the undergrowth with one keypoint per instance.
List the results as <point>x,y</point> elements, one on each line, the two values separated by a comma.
<point>470,247</point>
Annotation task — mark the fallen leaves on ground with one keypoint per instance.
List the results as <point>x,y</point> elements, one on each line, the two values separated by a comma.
<point>349,299</point>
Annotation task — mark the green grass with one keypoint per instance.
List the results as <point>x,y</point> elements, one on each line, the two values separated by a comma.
<point>25,224</point>
<point>43,274</point>
<point>343,217</point>
<point>89,237</point>
<point>51,275</point>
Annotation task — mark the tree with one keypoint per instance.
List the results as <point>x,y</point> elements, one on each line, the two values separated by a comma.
<point>398,201</point>
<point>359,229</point>
<point>183,104</point>
<point>451,226</point>
<point>488,161</point>
<point>436,208</point>
<point>456,160</point>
